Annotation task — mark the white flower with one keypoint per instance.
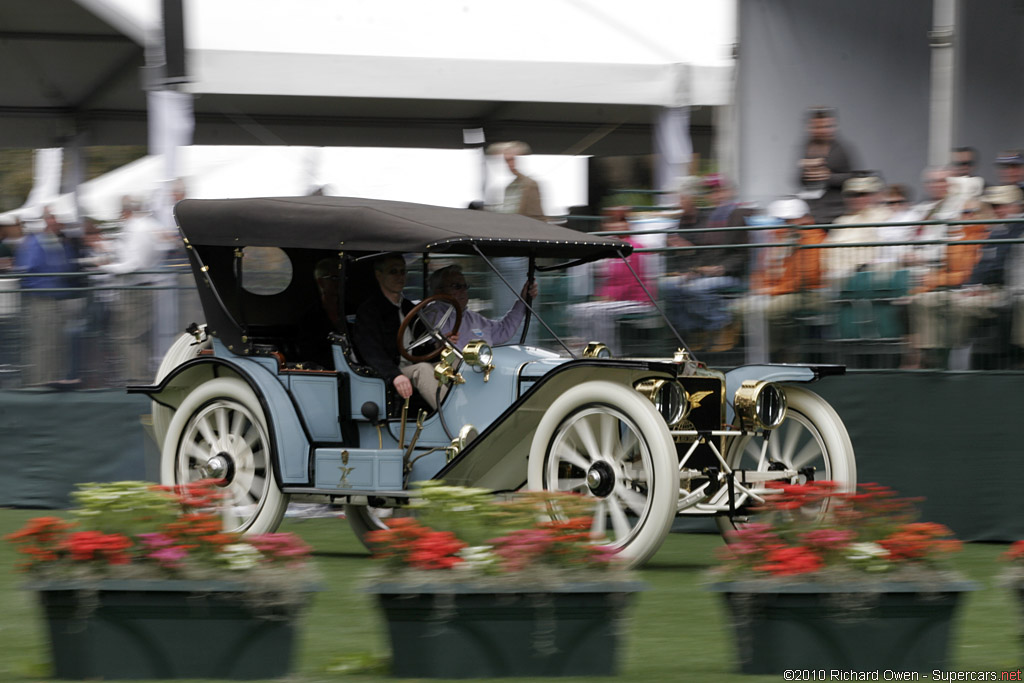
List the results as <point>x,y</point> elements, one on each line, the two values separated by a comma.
<point>866,551</point>
<point>477,557</point>
<point>240,556</point>
<point>872,557</point>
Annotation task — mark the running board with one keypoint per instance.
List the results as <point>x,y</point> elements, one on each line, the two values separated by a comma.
<point>346,493</point>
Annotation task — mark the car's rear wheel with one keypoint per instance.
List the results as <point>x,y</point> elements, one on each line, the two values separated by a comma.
<point>219,432</point>
<point>813,435</point>
<point>607,441</point>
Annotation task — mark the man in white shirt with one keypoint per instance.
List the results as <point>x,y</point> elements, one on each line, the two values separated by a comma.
<point>451,281</point>
<point>137,251</point>
<point>861,195</point>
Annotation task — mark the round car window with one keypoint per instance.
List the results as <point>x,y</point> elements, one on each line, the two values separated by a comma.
<point>265,270</point>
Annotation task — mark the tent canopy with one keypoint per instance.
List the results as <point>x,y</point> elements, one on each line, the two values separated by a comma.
<point>570,76</point>
<point>597,52</point>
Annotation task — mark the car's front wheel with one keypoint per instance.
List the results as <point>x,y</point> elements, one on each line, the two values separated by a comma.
<point>219,432</point>
<point>812,438</point>
<point>608,442</point>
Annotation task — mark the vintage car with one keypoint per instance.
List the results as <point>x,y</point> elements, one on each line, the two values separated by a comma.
<point>271,398</point>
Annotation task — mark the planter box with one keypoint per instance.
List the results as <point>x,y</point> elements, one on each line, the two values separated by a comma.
<point>896,626</point>
<point>134,629</point>
<point>466,631</point>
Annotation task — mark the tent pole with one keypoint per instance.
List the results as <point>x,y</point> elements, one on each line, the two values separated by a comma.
<point>942,39</point>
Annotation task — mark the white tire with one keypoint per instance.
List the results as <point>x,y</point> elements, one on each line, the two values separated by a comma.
<point>183,349</point>
<point>607,441</point>
<point>219,431</point>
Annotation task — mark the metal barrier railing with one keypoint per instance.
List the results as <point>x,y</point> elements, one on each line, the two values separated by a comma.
<point>886,308</point>
<point>90,336</point>
<point>892,304</point>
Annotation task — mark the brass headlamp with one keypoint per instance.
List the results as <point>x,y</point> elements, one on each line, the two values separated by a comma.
<point>668,397</point>
<point>478,354</point>
<point>760,404</point>
<point>596,350</point>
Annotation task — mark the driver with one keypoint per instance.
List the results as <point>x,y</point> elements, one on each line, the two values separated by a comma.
<point>451,281</point>
<point>376,331</point>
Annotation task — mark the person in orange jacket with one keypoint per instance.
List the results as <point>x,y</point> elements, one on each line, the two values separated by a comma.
<point>786,280</point>
<point>932,328</point>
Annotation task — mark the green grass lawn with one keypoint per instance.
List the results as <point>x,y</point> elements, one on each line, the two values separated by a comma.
<point>677,630</point>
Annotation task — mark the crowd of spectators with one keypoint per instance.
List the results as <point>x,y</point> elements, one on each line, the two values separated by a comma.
<point>855,252</point>
<point>79,301</point>
<point>848,259</point>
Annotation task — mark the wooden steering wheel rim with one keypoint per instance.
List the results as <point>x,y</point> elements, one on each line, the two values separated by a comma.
<point>411,315</point>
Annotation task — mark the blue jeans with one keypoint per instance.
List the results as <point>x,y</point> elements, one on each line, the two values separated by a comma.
<point>697,304</point>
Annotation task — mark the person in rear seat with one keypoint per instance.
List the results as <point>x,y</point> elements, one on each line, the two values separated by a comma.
<point>376,332</point>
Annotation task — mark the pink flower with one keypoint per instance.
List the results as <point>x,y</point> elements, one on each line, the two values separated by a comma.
<point>156,540</point>
<point>828,539</point>
<point>169,557</point>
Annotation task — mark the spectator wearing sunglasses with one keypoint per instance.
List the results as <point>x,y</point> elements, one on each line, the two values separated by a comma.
<point>896,199</point>
<point>451,281</point>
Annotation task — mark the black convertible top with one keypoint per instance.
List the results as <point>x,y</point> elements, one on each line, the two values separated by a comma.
<point>374,225</point>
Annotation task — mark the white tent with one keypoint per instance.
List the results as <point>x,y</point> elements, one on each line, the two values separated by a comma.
<point>645,52</point>
<point>443,177</point>
<point>569,76</point>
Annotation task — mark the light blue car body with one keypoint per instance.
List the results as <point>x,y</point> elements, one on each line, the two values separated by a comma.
<point>325,444</point>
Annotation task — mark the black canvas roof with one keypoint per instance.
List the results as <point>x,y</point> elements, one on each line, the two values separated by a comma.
<point>372,225</point>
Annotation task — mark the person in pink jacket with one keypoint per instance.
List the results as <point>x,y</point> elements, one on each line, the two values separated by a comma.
<point>618,293</point>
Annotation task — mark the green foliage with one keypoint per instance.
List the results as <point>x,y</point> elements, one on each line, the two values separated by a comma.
<point>477,515</point>
<point>628,199</point>
<point>16,169</point>
<point>15,177</point>
<point>124,507</point>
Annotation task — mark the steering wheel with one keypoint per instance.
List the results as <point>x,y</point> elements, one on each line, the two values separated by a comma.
<point>433,327</point>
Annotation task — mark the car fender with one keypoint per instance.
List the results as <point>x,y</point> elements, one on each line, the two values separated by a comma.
<point>498,458</point>
<point>291,444</point>
<point>782,373</point>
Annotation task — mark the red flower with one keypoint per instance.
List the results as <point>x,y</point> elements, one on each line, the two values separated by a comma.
<point>1015,552</point>
<point>96,546</point>
<point>791,560</point>
<point>435,550</point>
<point>41,529</point>
<point>796,539</point>
<point>920,541</point>
<point>197,495</point>
<point>41,540</point>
